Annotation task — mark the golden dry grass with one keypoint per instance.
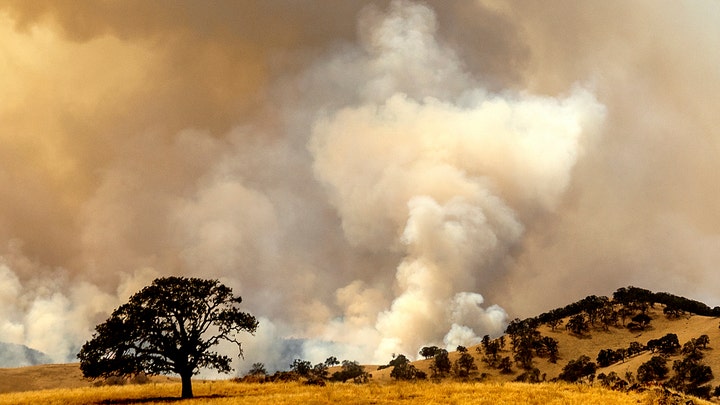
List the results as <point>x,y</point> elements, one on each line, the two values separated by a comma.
<point>228,392</point>
<point>73,389</point>
<point>571,347</point>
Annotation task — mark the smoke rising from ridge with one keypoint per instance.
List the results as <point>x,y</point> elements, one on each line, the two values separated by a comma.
<point>369,177</point>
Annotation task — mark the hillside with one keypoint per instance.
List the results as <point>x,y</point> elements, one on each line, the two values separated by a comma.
<point>14,355</point>
<point>47,376</point>
<point>571,346</point>
<point>41,377</point>
<point>685,325</point>
<point>694,368</point>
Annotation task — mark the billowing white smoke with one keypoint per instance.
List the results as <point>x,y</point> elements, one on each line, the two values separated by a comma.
<point>427,163</point>
<point>434,180</point>
<point>53,316</point>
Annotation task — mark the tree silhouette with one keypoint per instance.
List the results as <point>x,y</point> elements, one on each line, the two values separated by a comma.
<point>257,369</point>
<point>331,361</point>
<point>301,367</point>
<point>402,369</point>
<point>169,326</point>
<point>465,364</point>
<point>351,370</point>
<point>577,369</point>
<point>577,324</point>
<point>429,351</point>
<point>666,345</point>
<point>441,364</point>
<point>505,365</point>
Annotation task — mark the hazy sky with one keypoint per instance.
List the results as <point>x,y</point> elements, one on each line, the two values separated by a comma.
<point>370,177</point>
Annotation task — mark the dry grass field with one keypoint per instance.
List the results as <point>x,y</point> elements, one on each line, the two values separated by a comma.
<point>445,393</point>
<point>63,383</point>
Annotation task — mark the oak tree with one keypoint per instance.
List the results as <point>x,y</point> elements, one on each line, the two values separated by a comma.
<point>168,327</point>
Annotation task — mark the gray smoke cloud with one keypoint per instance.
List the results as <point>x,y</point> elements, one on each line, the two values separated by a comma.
<point>370,177</point>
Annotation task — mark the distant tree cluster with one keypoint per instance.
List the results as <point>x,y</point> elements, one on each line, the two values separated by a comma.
<point>596,310</point>
<point>633,295</point>
<point>606,357</point>
<point>653,370</point>
<point>666,345</point>
<point>402,369</point>
<point>690,373</point>
<point>614,381</point>
<point>527,342</point>
<point>626,302</point>
<point>639,322</point>
<point>578,369</point>
<point>317,374</point>
<point>578,324</point>
<point>429,352</point>
<point>463,366</point>
<point>441,364</point>
<point>351,370</point>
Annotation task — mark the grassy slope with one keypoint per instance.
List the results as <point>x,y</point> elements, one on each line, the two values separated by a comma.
<point>47,376</point>
<point>227,392</point>
<point>571,347</point>
<point>41,377</point>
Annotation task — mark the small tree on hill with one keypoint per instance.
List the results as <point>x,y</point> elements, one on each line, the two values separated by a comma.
<point>257,369</point>
<point>702,341</point>
<point>169,326</point>
<point>666,345</point>
<point>653,370</point>
<point>577,369</point>
<point>577,324</point>
<point>642,320</point>
<point>351,370</point>
<point>492,351</point>
<point>635,348</point>
<point>690,375</point>
<point>530,376</point>
<point>505,365</point>
<point>554,323</point>
<point>465,364</point>
<point>429,351</point>
<point>402,369</point>
<point>319,371</point>
<point>441,364</point>
<point>547,346</point>
<point>607,357</point>
<point>331,361</point>
<point>484,342</point>
<point>301,367</point>
<point>673,312</point>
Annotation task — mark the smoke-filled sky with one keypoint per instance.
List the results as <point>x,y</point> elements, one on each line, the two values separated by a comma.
<point>370,177</point>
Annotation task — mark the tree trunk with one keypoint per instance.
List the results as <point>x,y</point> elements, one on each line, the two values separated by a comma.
<point>187,392</point>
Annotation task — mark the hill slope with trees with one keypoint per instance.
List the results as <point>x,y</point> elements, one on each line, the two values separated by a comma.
<point>617,342</point>
<point>628,342</point>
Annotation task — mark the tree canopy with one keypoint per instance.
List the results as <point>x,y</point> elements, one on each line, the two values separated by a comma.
<point>168,327</point>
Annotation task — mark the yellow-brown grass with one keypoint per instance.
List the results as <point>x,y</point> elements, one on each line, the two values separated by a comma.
<point>228,392</point>
<point>572,346</point>
<point>382,390</point>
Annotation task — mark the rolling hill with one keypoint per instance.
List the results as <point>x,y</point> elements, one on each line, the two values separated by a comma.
<point>571,346</point>
<point>14,355</point>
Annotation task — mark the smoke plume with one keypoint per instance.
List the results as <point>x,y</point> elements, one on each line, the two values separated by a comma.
<point>370,177</point>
